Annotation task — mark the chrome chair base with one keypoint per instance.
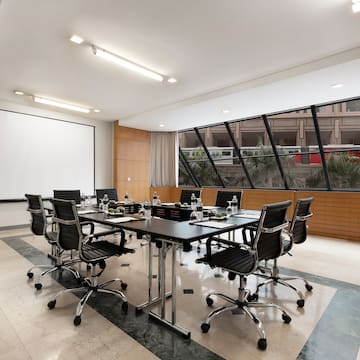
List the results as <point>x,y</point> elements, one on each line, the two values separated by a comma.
<point>243,304</point>
<point>91,287</point>
<point>275,278</point>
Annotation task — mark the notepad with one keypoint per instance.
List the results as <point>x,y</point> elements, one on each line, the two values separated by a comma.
<point>213,224</point>
<point>83,212</point>
<point>249,216</point>
<point>121,219</point>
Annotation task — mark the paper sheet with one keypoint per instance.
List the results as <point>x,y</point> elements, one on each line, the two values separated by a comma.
<point>121,219</point>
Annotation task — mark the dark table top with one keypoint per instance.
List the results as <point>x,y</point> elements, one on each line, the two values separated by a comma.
<point>182,231</point>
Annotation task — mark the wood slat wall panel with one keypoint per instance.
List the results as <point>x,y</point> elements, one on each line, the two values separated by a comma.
<point>131,160</point>
<point>336,214</point>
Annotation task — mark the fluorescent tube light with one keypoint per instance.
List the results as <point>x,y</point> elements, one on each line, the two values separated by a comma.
<point>60,104</point>
<point>77,39</point>
<point>356,6</point>
<point>127,64</point>
<point>337,86</point>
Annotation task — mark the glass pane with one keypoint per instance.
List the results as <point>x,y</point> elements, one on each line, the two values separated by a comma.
<point>204,172</point>
<point>295,139</point>
<point>342,151</point>
<point>184,178</point>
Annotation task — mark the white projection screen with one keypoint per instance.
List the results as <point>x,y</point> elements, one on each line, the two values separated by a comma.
<point>38,155</point>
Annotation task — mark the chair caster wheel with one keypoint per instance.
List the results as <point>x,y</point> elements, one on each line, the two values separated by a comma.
<point>300,303</point>
<point>88,267</point>
<point>125,307</point>
<point>308,287</point>
<point>262,344</point>
<point>286,318</point>
<point>51,304</point>
<point>123,286</point>
<point>205,327</point>
<point>38,286</point>
<point>30,275</point>
<point>209,301</point>
<point>253,297</point>
<point>77,320</point>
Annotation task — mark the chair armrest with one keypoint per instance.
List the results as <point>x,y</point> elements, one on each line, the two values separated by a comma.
<point>88,223</point>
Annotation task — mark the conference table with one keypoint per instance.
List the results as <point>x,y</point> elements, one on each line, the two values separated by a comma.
<point>168,234</point>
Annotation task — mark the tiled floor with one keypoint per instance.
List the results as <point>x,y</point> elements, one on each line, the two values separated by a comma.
<point>328,327</point>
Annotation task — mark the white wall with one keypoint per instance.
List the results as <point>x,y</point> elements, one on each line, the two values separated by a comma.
<point>15,213</point>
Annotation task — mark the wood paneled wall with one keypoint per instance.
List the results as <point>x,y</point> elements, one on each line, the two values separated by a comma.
<point>131,162</point>
<point>336,214</point>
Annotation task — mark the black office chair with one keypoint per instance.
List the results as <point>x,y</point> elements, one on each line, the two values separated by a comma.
<point>68,195</point>
<point>93,253</point>
<point>111,193</point>
<point>185,196</point>
<point>296,234</point>
<point>223,197</point>
<point>240,259</point>
<point>39,226</point>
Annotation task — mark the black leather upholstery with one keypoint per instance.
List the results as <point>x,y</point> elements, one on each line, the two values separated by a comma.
<point>68,195</point>
<point>111,193</point>
<point>223,197</point>
<point>185,196</point>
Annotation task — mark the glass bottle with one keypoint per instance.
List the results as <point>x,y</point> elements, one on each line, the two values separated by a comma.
<point>126,198</point>
<point>147,210</point>
<point>193,216</point>
<point>105,203</point>
<point>228,210</point>
<point>193,202</point>
<point>155,198</point>
<point>199,209</point>
<point>234,205</point>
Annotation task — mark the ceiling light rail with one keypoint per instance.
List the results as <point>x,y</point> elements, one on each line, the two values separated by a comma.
<point>121,61</point>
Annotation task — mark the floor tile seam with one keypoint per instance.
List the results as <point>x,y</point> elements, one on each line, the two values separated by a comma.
<point>16,334</point>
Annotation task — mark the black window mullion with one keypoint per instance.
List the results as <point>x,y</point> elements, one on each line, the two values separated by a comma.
<point>188,169</point>
<point>238,152</point>
<point>321,148</point>
<point>209,157</point>
<point>268,130</point>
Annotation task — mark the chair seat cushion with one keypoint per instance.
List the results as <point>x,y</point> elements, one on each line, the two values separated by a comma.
<point>100,250</point>
<point>234,259</point>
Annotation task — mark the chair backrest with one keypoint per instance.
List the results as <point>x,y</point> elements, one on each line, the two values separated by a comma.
<point>68,195</point>
<point>68,225</point>
<point>185,196</point>
<point>37,212</point>
<point>298,227</point>
<point>111,193</point>
<point>268,242</point>
<point>223,197</point>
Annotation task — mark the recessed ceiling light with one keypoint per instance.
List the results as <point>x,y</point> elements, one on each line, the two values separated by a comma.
<point>226,111</point>
<point>356,6</point>
<point>77,39</point>
<point>337,86</point>
<point>96,110</point>
<point>162,125</point>
<point>171,80</point>
<point>17,92</point>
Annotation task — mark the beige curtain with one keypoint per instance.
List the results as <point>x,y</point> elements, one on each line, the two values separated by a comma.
<point>163,159</point>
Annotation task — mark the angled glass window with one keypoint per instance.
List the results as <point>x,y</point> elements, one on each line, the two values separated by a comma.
<point>197,159</point>
<point>342,148</point>
<point>295,139</point>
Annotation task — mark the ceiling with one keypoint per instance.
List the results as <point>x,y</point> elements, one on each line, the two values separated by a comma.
<point>249,57</point>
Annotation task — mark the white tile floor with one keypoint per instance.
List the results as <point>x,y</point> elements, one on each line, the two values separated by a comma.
<point>28,330</point>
